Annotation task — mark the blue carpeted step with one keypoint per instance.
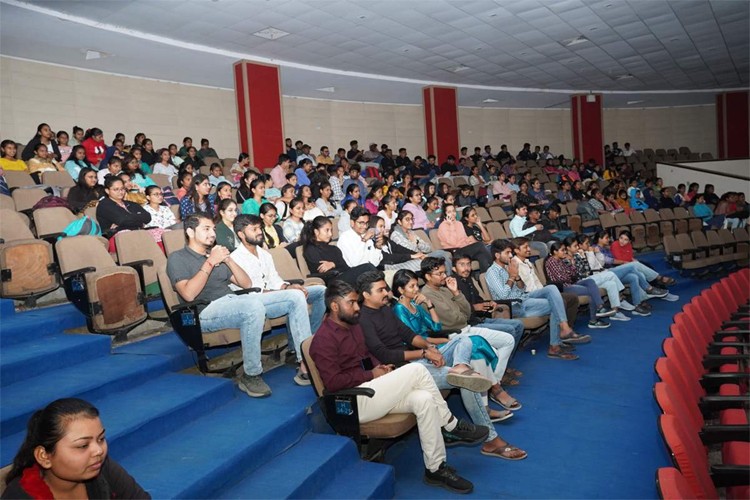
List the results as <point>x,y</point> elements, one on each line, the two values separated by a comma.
<point>19,327</point>
<point>230,442</point>
<point>156,408</point>
<point>88,380</point>
<point>315,461</point>
<point>165,344</point>
<point>24,360</point>
<point>361,480</point>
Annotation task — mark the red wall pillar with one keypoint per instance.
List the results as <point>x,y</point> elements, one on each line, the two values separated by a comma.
<point>732,129</point>
<point>260,122</point>
<point>588,132</point>
<point>441,121</point>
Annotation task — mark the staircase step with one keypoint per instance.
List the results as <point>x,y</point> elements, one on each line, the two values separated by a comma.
<point>89,380</point>
<point>315,461</point>
<point>362,480</point>
<point>26,359</point>
<point>165,344</point>
<point>19,327</point>
<point>230,442</point>
<point>156,408</point>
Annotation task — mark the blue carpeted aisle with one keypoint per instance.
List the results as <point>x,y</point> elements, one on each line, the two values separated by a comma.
<point>589,426</point>
<point>181,436</point>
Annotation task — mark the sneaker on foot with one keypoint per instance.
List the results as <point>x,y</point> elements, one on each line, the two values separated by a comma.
<point>670,297</point>
<point>446,477</point>
<point>619,317</point>
<point>603,312</point>
<point>302,378</point>
<point>657,293</point>
<point>253,386</point>
<point>597,323</point>
<point>465,433</point>
<point>626,306</point>
<point>641,311</point>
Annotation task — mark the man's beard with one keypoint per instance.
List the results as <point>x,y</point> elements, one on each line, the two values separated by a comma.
<point>352,319</point>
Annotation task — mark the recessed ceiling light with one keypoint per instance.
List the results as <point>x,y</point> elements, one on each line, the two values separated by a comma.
<point>459,68</point>
<point>363,17</point>
<point>91,54</point>
<point>493,15</point>
<point>490,100</point>
<point>271,33</point>
<point>634,102</point>
<point>575,41</point>
<point>626,76</point>
<point>593,28</point>
<point>330,90</point>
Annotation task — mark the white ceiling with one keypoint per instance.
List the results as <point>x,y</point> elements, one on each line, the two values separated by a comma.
<point>677,52</point>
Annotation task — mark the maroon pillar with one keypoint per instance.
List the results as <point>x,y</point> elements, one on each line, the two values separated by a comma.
<point>588,132</point>
<point>441,121</point>
<point>732,130</point>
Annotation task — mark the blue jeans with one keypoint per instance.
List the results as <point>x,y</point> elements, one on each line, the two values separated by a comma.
<point>561,234</point>
<point>590,288</point>
<point>546,301</point>
<point>293,305</point>
<point>316,298</point>
<point>473,402</point>
<point>245,312</point>
<point>637,276</point>
<point>512,326</point>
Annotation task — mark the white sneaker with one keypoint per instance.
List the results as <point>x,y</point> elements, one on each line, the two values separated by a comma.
<point>670,297</point>
<point>620,317</point>
<point>626,306</point>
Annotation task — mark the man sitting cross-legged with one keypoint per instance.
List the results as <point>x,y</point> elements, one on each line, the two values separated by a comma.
<point>203,271</point>
<point>504,282</point>
<point>343,361</point>
<point>278,297</point>
<point>454,312</point>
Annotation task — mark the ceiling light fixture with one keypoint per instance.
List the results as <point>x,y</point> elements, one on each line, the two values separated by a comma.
<point>626,76</point>
<point>91,54</point>
<point>575,41</point>
<point>271,33</point>
<point>634,102</point>
<point>330,90</point>
<point>459,68</point>
<point>490,100</point>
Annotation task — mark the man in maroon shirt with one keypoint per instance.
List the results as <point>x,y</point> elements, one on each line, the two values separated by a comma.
<point>342,358</point>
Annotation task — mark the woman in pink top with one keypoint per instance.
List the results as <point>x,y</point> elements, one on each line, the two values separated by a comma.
<point>414,195</point>
<point>454,239</point>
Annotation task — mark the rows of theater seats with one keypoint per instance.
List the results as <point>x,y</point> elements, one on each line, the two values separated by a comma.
<point>703,395</point>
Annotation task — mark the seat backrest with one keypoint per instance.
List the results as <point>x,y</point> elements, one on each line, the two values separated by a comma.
<point>301,262</point>
<point>78,252</point>
<point>680,213</point>
<point>435,241</point>
<point>161,180</point>
<point>607,221</point>
<point>52,220</point>
<point>60,179</point>
<point>483,214</point>
<point>622,219</point>
<point>173,241</point>
<point>666,214</point>
<point>670,244</point>
<point>25,199</point>
<point>495,229</point>
<point>539,267</point>
<point>689,456</point>
<point>651,215</point>
<point>741,235</point>
<point>139,245</point>
<point>13,226</point>
<point>725,235</point>
<point>637,218</point>
<point>7,203</point>
<point>671,484</point>
<point>498,214</point>
<point>16,178</point>
<point>169,295</point>
<point>699,239</point>
<point>285,265</point>
<point>315,378</point>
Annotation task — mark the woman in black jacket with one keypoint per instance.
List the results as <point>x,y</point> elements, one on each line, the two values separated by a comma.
<point>86,191</point>
<point>115,214</point>
<point>323,259</point>
<point>65,454</point>
<point>395,256</point>
<point>45,136</point>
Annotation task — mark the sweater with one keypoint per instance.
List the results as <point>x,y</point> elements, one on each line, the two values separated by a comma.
<point>454,311</point>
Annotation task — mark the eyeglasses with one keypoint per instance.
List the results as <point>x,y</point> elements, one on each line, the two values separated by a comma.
<point>438,273</point>
<point>361,222</point>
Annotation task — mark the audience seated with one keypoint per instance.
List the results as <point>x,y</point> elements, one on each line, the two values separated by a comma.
<point>86,192</point>
<point>115,214</point>
<point>344,362</point>
<point>519,227</point>
<point>453,237</point>
<point>198,198</point>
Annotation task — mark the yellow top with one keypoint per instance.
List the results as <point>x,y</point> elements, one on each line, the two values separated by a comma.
<point>15,165</point>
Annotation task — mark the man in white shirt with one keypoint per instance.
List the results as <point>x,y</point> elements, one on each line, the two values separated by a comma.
<point>279,297</point>
<point>627,151</point>
<point>358,246</point>
<point>517,230</point>
<point>306,154</point>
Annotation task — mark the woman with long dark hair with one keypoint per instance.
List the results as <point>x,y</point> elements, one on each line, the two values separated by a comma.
<point>324,202</point>
<point>93,141</point>
<point>115,214</point>
<point>86,191</point>
<point>161,215</point>
<point>225,235</point>
<point>44,135</point>
<point>77,161</point>
<point>65,455</point>
<point>273,234</point>
<point>258,190</point>
<point>243,192</point>
<point>198,198</point>
<point>323,259</point>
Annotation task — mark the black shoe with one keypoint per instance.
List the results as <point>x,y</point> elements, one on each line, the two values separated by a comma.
<point>465,433</point>
<point>567,347</point>
<point>447,478</point>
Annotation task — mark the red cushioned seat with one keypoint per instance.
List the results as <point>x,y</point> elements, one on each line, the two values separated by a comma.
<point>672,485</point>
<point>689,455</point>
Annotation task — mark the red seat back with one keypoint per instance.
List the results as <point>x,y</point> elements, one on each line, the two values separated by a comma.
<point>672,485</point>
<point>673,403</point>
<point>689,455</point>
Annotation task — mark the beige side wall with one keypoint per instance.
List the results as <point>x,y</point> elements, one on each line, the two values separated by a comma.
<point>31,93</point>
<point>694,127</point>
<point>514,127</point>
<point>335,123</point>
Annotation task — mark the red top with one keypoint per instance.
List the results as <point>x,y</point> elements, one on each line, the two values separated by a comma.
<point>623,253</point>
<point>95,150</point>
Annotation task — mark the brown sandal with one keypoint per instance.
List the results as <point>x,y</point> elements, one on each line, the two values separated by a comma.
<point>507,452</point>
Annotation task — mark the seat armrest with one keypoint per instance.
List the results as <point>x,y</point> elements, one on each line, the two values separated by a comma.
<point>245,291</point>
<point>715,403</point>
<point>509,303</point>
<point>295,282</point>
<point>354,391</point>
<point>139,263</point>
<point>78,272</point>
<point>188,305</point>
<point>722,433</point>
<point>729,475</point>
